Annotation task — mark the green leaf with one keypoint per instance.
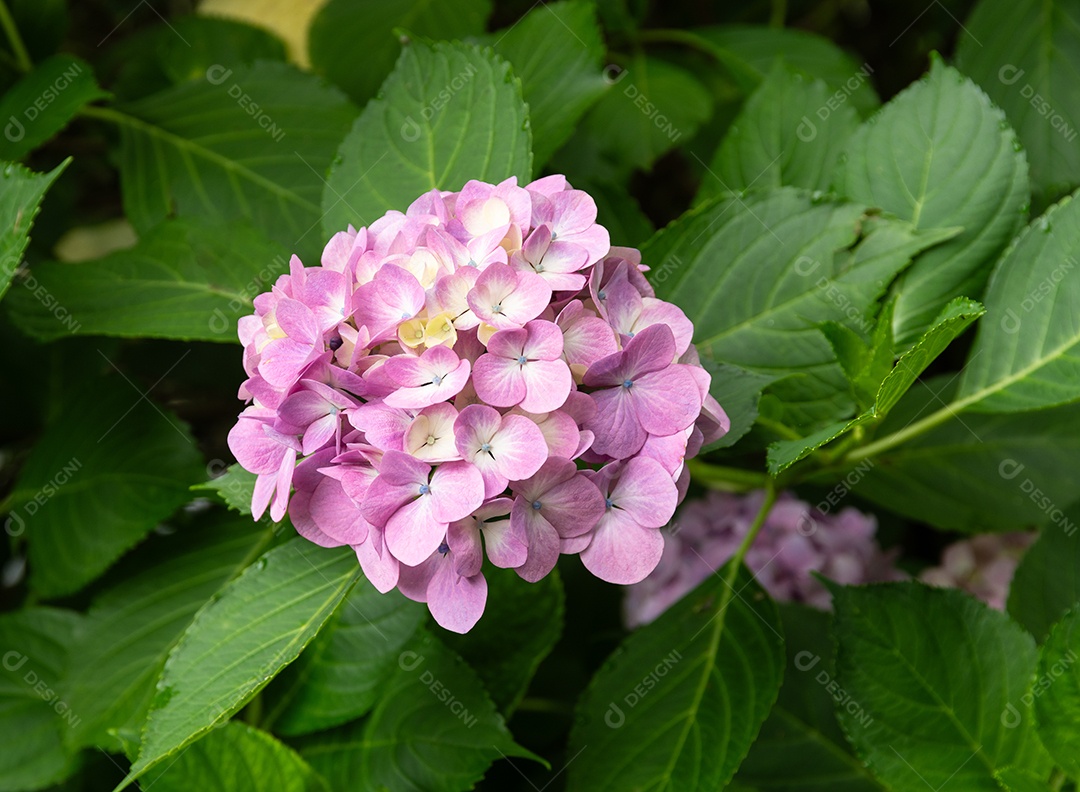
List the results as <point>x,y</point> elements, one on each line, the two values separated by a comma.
<point>189,279</point>
<point>738,391</point>
<point>1016,779</point>
<point>1056,693</point>
<point>678,705</point>
<point>235,487</point>
<point>130,627</point>
<point>785,453</point>
<point>33,714</point>
<point>751,51</point>
<point>1026,55</point>
<point>757,275</point>
<point>785,135</point>
<point>43,102</point>
<point>557,51</point>
<point>1047,581</point>
<point>975,472</point>
<point>619,212</point>
<point>21,192</point>
<point>651,107</point>
<point>433,730</point>
<point>342,673</point>
<point>354,44</point>
<point>1026,356</point>
<point>801,745</point>
<point>236,758</point>
<point>283,128</point>
<point>530,612</point>
<point>448,113</point>
<point>240,640</point>
<point>103,474</point>
<point>939,155</point>
<point>865,365</point>
<point>932,685</point>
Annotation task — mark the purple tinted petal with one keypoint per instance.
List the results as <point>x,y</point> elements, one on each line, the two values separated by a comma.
<point>616,426</point>
<point>457,490</point>
<point>544,342</point>
<point>506,541</point>
<point>499,380</point>
<point>646,492</point>
<point>463,539</point>
<point>621,551</point>
<point>542,539</point>
<point>666,401</point>
<point>547,384</point>
<point>572,507</point>
<point>412,532</point>
<point>519,447</point>
<point>456,602</point>
<point>379,566</point>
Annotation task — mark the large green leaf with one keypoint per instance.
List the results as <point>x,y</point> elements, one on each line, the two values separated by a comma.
<point>236,758</point>
<point>678,705</point>
<point>532,613</point>
<point>801,746</point>
<point>975,472</point>
<point>750,52</point>
<point>240,640</point>
<point>940,155</point>
<point>122,644</point>
<point>104,473</point>
<point>43,102</point>
<point>953,320</point>
<point>253,143</point>
<point>21,192</point>
<point>189,279</point>
<point>1027,354</point>
<point>1057,694</point>
<point>757,274</point>
<point>738,391</point>
<point>342,673</point>
<point>448,113</point>
<point>557,51</point>
<point>785,135</point>
<point>235,487</point>
<point>434,729</point>
<point>353,42</point>
<point>651,107</point>
<point>1026,55</point>
<point>33,715</point>
<point>1047,581</point>
<point>932,687</point>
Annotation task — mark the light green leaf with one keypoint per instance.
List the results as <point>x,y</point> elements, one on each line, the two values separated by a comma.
<point>433,730</point>
<point>236,758</point>
<point>557,51</point>
<point>36,644</point>
<point>189,279</point>
<point>354,43</point>
<point>785,453</point>
<point>42,103</point>
<point>1016,779</point>
<point>21,192</point>
<point>130,627</point>
<point>342,673</point>
<point>283,127</point>
<point>240,640</point>
<point>785,135</point>
<point>933,687</point>
<point>235,487</point>
<point>1047,581</point>
<point>975,472</point>
<point>678,705</point>
<point>1057,694</point>
<point>448,113</point>
<point>801,745</point>
<point>532,613</point>
<point>865,364</point>
<point>103,474</point>
<point>1026,55</point>
<point>939,155</point>
<point>1027,355</point>
<point>750,52</point>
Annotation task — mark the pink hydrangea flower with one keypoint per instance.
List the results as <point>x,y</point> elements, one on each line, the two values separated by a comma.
<point>795,540</point>
<point>480,375</point>
<point>983,565</point>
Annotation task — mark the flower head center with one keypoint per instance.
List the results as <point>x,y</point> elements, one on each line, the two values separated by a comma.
<point>628,384</point>
<point>522,360</point>
<point>437,379</point>
<point>425,489</point>
<point>444,548</point>
<point>537,505</point>
<point>608,502</point>
<point>485,447</point>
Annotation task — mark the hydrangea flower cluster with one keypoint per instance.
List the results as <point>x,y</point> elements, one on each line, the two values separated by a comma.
<point>481,374</point>
<point>795,540</point>
<point>983,565</point>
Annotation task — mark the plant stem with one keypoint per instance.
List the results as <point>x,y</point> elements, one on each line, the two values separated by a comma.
<point>685,37</point>
<point>912,430</point>
<point>736,562</point>
<point>779,12</point>
<point>726,478</point>
<point>22,57</point>
<point>1057,779</point>
<point>545,705</point>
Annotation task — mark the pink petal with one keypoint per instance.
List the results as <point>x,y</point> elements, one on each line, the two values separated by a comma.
<point>666,401</point>
<point>646,492</point>
<point>379,566</point>
<point>457,490</point>
<point>544,341</point>
<point>413,533</point>
<point>499,380</point>
<point>616,426</point>
<point>519,448</point>
<point>547,384</point>
<point>621,550</point>
<point>541,537</point>
<point>456,602</point>
<point>463,539</point>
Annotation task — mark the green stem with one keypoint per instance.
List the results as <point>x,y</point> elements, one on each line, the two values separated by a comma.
<point>785,431</point>
<point>1057,779</point>
<point>685,37</point>
<point>737,560</point>
<point>779,13</point>
<point>545,705</point>
<point>22,57</point>
<point>912,430</point>
<point>725,478</point>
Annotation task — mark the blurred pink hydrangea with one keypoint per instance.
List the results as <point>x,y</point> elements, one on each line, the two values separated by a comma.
<point>983,565</point>
<point>434,390</point>
<point>795,540</point>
